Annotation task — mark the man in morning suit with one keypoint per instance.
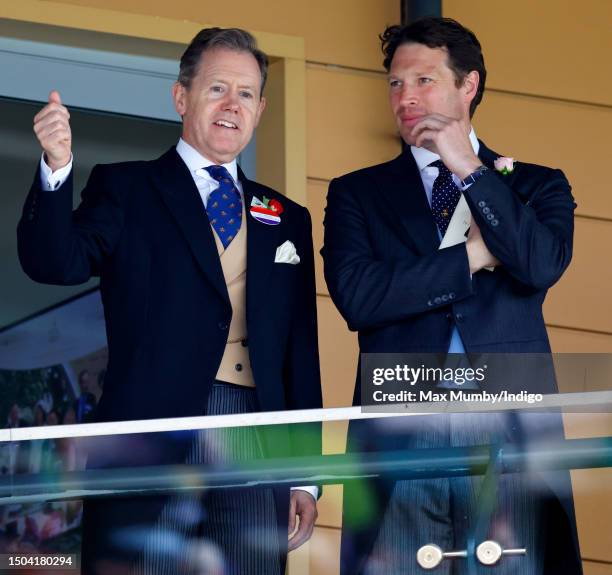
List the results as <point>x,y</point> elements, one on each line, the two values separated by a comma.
<point>394,285</point>
<point>205,312</point>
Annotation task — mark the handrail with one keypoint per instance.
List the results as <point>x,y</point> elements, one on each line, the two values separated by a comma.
<point>324,469</point>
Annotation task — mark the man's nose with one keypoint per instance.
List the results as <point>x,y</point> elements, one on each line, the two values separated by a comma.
<point>408,95</point>
<point>232,101</point>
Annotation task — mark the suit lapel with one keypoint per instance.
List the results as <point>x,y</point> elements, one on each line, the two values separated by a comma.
<point>404,195</point>
<point>488,157</point>
<point>262,241</point>
<point>180,194</point>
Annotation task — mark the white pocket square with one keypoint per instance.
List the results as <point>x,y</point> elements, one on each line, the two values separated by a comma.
<point>286,254</point>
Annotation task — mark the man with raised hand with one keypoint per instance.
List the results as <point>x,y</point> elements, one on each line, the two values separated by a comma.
<point>400,281</point>
<point>207,280</point>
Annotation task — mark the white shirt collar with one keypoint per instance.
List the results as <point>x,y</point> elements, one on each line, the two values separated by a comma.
<point>424,157</point>
<point>196,161</point>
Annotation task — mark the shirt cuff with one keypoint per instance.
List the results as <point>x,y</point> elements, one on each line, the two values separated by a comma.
<point>312,489</point>
<point>49,180</point>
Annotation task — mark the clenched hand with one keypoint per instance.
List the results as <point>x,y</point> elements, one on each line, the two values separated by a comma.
<point>304,506</point>
<point>52,128</point>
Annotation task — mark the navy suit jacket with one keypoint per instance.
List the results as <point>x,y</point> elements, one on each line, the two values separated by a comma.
<point>141,227</point>
<point>402,294</point>
<point>393,285</point>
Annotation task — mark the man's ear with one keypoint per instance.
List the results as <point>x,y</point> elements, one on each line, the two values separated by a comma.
<point>260,109</point>
<point>178,95</point>
<point>470,85</point>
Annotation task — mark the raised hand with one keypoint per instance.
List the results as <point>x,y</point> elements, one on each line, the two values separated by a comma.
<point>52,128</point>
<point>449,138</point>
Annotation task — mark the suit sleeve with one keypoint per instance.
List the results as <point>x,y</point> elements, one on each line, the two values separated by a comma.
<point>371,292</point>
<point>533,242</point>
<point>301,368</point>
<point>59,246</point>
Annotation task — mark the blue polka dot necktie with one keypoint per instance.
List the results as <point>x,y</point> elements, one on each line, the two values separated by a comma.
<point>444,196</point>
<point>224,206</point>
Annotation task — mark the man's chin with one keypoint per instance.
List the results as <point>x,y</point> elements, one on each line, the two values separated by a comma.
<point>408,140</point>
<point>227,153</point>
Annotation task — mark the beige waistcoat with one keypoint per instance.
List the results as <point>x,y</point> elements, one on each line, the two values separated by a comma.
<point>235,366</point>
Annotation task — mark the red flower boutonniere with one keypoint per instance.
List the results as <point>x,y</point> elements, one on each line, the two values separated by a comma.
<point>275,205</point>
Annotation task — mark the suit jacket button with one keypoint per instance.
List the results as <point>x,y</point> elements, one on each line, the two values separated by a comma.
<point>490,216</point>
<point>437,300</point>
<point>444,298</point>
<point>494,223</point>
<point>486,210</point>
<point>451,295</point>
<point>238,367</point>
<point>430,303</point>
<point>459,318</point>
<point>482,204</point>
<point>223,325</point>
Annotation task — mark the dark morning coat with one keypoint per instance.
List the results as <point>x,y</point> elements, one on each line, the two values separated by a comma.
<point>141,227</point>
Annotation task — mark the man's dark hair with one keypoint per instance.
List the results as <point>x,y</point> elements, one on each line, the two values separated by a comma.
<point>463,48</point>
<point>227,38</point>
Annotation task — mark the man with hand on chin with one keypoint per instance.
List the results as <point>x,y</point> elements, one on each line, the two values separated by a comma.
<point>207,280</point>
<point>384,229</point>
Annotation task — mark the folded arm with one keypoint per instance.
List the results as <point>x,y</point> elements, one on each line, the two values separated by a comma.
<point>373,292</point>
<point>532,241</point>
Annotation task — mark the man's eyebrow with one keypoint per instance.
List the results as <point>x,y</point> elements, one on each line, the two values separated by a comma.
<point>214,80</point>
<point>415,73</point>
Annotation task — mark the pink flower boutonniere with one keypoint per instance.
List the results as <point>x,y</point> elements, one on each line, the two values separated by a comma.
<point>504,165</point>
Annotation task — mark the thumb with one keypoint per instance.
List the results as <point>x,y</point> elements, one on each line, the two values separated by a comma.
<point>54,97</point>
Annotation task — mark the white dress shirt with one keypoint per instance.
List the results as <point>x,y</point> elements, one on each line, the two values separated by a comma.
<point>52,180</point>
<point>196,163</point>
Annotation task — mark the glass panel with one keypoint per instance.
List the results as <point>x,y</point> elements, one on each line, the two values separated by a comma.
<point>202,495</point>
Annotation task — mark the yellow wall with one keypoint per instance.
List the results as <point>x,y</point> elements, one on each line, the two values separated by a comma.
<point>549,101</point>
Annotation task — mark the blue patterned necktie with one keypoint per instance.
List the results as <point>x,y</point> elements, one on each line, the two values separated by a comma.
<point>224,206</point>
<point>444,196</point>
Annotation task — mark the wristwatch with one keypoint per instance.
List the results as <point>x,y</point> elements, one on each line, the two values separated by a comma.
<point>474,176</point>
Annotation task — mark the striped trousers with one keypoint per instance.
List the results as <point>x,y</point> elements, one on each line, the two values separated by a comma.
<point>442,510</point>
<point>225,531</point>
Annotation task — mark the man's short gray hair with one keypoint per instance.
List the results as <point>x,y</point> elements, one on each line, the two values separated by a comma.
<point>228,38</point>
